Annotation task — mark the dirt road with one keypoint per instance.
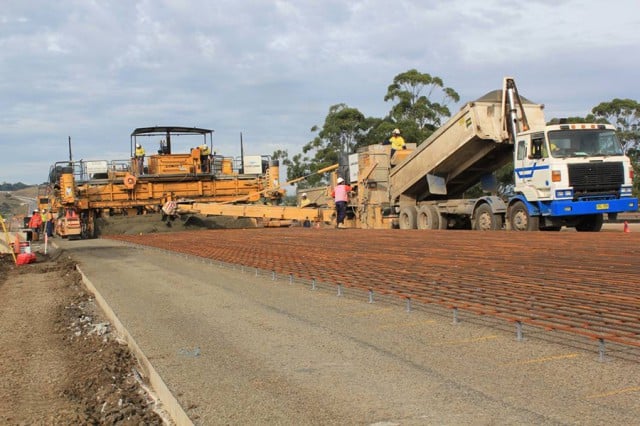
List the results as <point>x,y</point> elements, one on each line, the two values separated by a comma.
<point>60,363</point>
<point>236,348</point>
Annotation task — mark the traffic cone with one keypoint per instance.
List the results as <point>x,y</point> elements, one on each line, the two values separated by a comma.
<point>626,226</point>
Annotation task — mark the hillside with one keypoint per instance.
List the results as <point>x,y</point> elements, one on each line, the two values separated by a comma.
<point>14,203</point>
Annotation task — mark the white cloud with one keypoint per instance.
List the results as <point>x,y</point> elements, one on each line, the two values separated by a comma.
<point>271,69</point>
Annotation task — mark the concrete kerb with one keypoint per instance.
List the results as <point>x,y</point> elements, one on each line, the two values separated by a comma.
<point>169,402</point>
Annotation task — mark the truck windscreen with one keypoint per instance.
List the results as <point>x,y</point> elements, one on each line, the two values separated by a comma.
<point>584,143</point>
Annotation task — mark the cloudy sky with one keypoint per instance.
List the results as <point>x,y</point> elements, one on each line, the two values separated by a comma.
<point>95,70</point>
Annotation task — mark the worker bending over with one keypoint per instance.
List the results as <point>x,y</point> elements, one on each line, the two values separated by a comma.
<point>35,223</point>
<point>205,154</point>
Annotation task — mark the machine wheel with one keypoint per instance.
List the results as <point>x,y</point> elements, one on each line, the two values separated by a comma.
<point>591,223</point>
<point>408,218</point>
<point>428,217</point>
<point>485,220</point>
<point>521,220</point>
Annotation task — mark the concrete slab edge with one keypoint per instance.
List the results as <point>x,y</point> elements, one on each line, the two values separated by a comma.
<point>169,402</point>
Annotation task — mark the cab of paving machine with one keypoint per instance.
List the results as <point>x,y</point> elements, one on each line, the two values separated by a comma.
<point>147,161</point>
<point>171,164</point>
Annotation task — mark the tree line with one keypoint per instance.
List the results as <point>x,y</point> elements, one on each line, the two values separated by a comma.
<point>5,186</point>
<point>419,106</point>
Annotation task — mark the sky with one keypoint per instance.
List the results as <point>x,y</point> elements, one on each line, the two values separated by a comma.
<point>93,71</point>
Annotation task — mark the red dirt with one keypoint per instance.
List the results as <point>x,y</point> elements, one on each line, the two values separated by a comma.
<point>583,283</point>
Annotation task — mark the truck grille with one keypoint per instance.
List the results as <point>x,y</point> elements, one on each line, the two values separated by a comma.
<point>596,177</point>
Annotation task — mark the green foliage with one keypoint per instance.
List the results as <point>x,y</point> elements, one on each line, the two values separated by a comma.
<point>634,156</point>
<point>415,111</point>
<point>346,129</point>
<point>590,118</point>
<point>5,186</point>
<point>625,115</point>
<point>418,114</point>
<point>5,209</point>
<point>298,166</point>
<point>379,130</point>
<point>343,130</point>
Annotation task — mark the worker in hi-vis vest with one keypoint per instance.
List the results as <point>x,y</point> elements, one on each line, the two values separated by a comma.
<point>139,159</point>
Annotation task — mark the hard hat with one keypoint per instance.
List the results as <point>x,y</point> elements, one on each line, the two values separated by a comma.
<point>340,180</point>
<point>396,131</point>
<point>304,194</point>
<point>137,145</point>
<point>36,211</point>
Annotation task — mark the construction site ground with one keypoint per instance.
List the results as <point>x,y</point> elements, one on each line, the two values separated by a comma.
<point>265,344</point>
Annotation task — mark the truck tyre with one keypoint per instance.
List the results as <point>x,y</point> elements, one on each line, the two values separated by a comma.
<point>428,217</point>
<point>407,219</point>
<point>521,220</point>
<point>590,223</point>
<point>485,220</point>
<point>444,222</point>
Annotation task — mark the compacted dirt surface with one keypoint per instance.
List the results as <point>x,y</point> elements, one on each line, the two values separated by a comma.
<point>59,362</point>
<point>242,349</point>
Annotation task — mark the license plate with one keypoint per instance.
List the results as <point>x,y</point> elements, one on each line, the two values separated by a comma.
<point>604,206</point>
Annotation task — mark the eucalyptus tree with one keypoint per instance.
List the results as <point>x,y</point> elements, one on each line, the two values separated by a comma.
<point>415,110</point>
<point>625,115</point>
<point>344,129</point>
<point>421,104</point>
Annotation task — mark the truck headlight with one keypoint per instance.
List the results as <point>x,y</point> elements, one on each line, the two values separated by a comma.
<point>564,193</point>
<point>625,191</point>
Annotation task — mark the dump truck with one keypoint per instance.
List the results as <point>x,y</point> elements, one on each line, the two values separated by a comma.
<point>564,174</point>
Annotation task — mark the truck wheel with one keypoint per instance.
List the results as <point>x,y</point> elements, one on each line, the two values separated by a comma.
<point>485,220</point>
<point>428,217</point>
<point>444,222</point>
<point>407,219</point>
<point>521,220</point>
<point>590,223</point>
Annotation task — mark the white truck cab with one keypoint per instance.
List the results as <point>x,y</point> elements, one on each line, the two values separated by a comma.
<point>568,175</point>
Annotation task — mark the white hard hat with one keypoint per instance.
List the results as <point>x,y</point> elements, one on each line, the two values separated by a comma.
<point>137,145</point>
<point>340,180</point>
<point>396,131</point>
<point>304,194</point>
